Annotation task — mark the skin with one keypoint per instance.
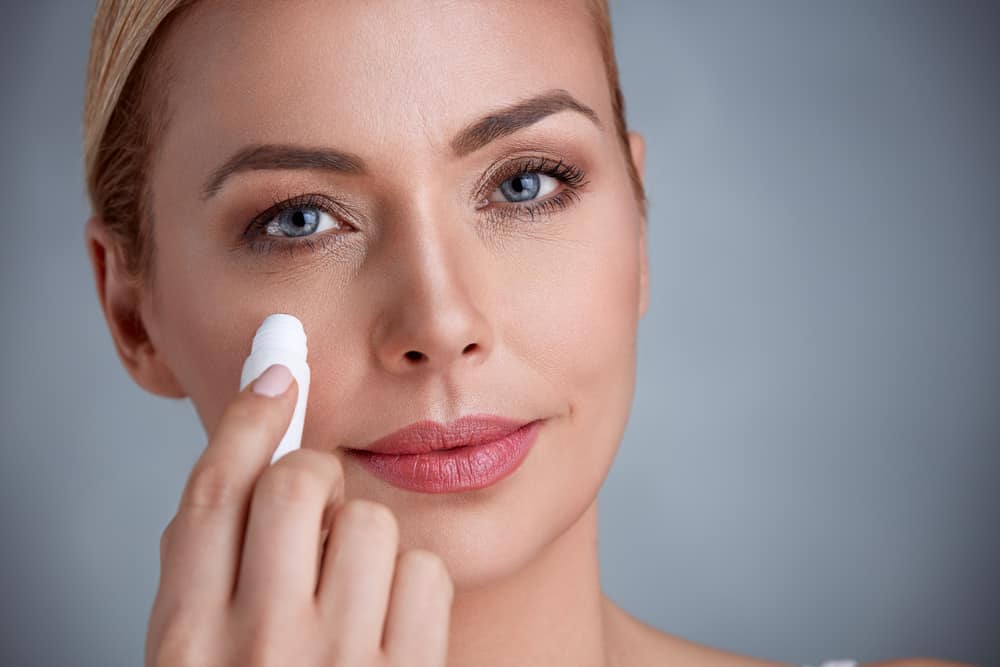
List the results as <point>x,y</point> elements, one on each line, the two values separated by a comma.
<point>551,304</point>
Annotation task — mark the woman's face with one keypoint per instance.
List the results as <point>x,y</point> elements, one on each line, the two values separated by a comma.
<point>423,242</point>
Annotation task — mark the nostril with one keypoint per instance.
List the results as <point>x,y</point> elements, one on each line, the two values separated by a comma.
<point>413,355</point>
<point>471,347</point>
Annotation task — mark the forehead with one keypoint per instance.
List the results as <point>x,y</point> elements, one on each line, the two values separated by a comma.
<point>393,72</point>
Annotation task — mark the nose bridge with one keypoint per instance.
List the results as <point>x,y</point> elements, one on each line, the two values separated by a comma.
<point>431,316</point>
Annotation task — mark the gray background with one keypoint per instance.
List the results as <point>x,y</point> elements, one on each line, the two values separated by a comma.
<point>810,469</point>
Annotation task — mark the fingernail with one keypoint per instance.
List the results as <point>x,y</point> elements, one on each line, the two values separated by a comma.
<point>273,382</point>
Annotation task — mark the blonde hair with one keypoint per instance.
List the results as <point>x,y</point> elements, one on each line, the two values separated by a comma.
<point>124,114</point>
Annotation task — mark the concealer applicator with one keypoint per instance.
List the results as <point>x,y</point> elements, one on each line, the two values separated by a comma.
<point>281,340</point>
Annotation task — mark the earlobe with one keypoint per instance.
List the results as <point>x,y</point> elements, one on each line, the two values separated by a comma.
<point>120,297</point>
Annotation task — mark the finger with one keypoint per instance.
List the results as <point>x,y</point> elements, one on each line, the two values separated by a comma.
<point>200,553</point>
<point>356,575</point>
<point>280,550</point>
<point>417,625</point>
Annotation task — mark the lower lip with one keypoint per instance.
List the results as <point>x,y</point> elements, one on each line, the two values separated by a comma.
<point>452,470</point>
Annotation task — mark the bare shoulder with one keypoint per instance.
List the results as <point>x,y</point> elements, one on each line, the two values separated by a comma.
<point>633,643</point>
<point>918,662</point>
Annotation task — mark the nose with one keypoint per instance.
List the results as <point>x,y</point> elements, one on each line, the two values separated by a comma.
<point>432,316</point>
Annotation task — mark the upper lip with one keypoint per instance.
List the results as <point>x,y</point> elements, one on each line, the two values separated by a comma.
<point>428,436</point>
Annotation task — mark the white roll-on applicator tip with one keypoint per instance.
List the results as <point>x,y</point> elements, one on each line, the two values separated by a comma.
<point>281,339</point>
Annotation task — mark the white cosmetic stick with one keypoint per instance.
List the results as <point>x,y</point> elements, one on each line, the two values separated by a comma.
<point>281,340</point>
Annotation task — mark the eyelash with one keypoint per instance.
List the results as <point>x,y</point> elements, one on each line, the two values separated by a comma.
<point>572,177</point>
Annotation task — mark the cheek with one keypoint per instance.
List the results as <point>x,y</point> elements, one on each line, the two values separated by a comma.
<point>580,318</point>
<point>202,335</point>
<point>577,306</point>
<point>205,315</point>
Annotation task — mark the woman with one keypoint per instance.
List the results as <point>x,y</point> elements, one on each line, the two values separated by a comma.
<point>447,196</point>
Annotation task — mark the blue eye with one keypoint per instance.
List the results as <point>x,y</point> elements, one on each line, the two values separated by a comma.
<point>296,221</point>
<point>524,187</point>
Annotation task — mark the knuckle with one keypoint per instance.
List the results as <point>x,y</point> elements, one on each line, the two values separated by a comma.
<point>370,518</point>
<point>322,462</point>
<point>210,486</point>
<point>294,484</point>
<point>428,566</point>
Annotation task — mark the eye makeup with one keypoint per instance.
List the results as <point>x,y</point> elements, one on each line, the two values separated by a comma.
<point>260,242</point>
<point>571,179</point>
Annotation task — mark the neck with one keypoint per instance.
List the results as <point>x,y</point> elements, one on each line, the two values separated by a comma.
<point>550,612</point>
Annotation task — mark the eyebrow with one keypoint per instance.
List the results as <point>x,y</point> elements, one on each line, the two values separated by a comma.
<point>474,136</point>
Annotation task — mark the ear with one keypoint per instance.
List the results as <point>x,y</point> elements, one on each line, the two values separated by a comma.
<point>637,149</point>
<point>121,297</point>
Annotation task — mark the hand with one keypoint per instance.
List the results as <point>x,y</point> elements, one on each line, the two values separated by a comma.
<point>247,578</point>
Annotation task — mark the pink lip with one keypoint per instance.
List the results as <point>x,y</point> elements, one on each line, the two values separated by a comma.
<point>470,453</point>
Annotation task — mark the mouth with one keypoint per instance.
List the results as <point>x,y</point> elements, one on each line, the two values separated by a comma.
<point>470,453</point>
<point>428,436</point>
